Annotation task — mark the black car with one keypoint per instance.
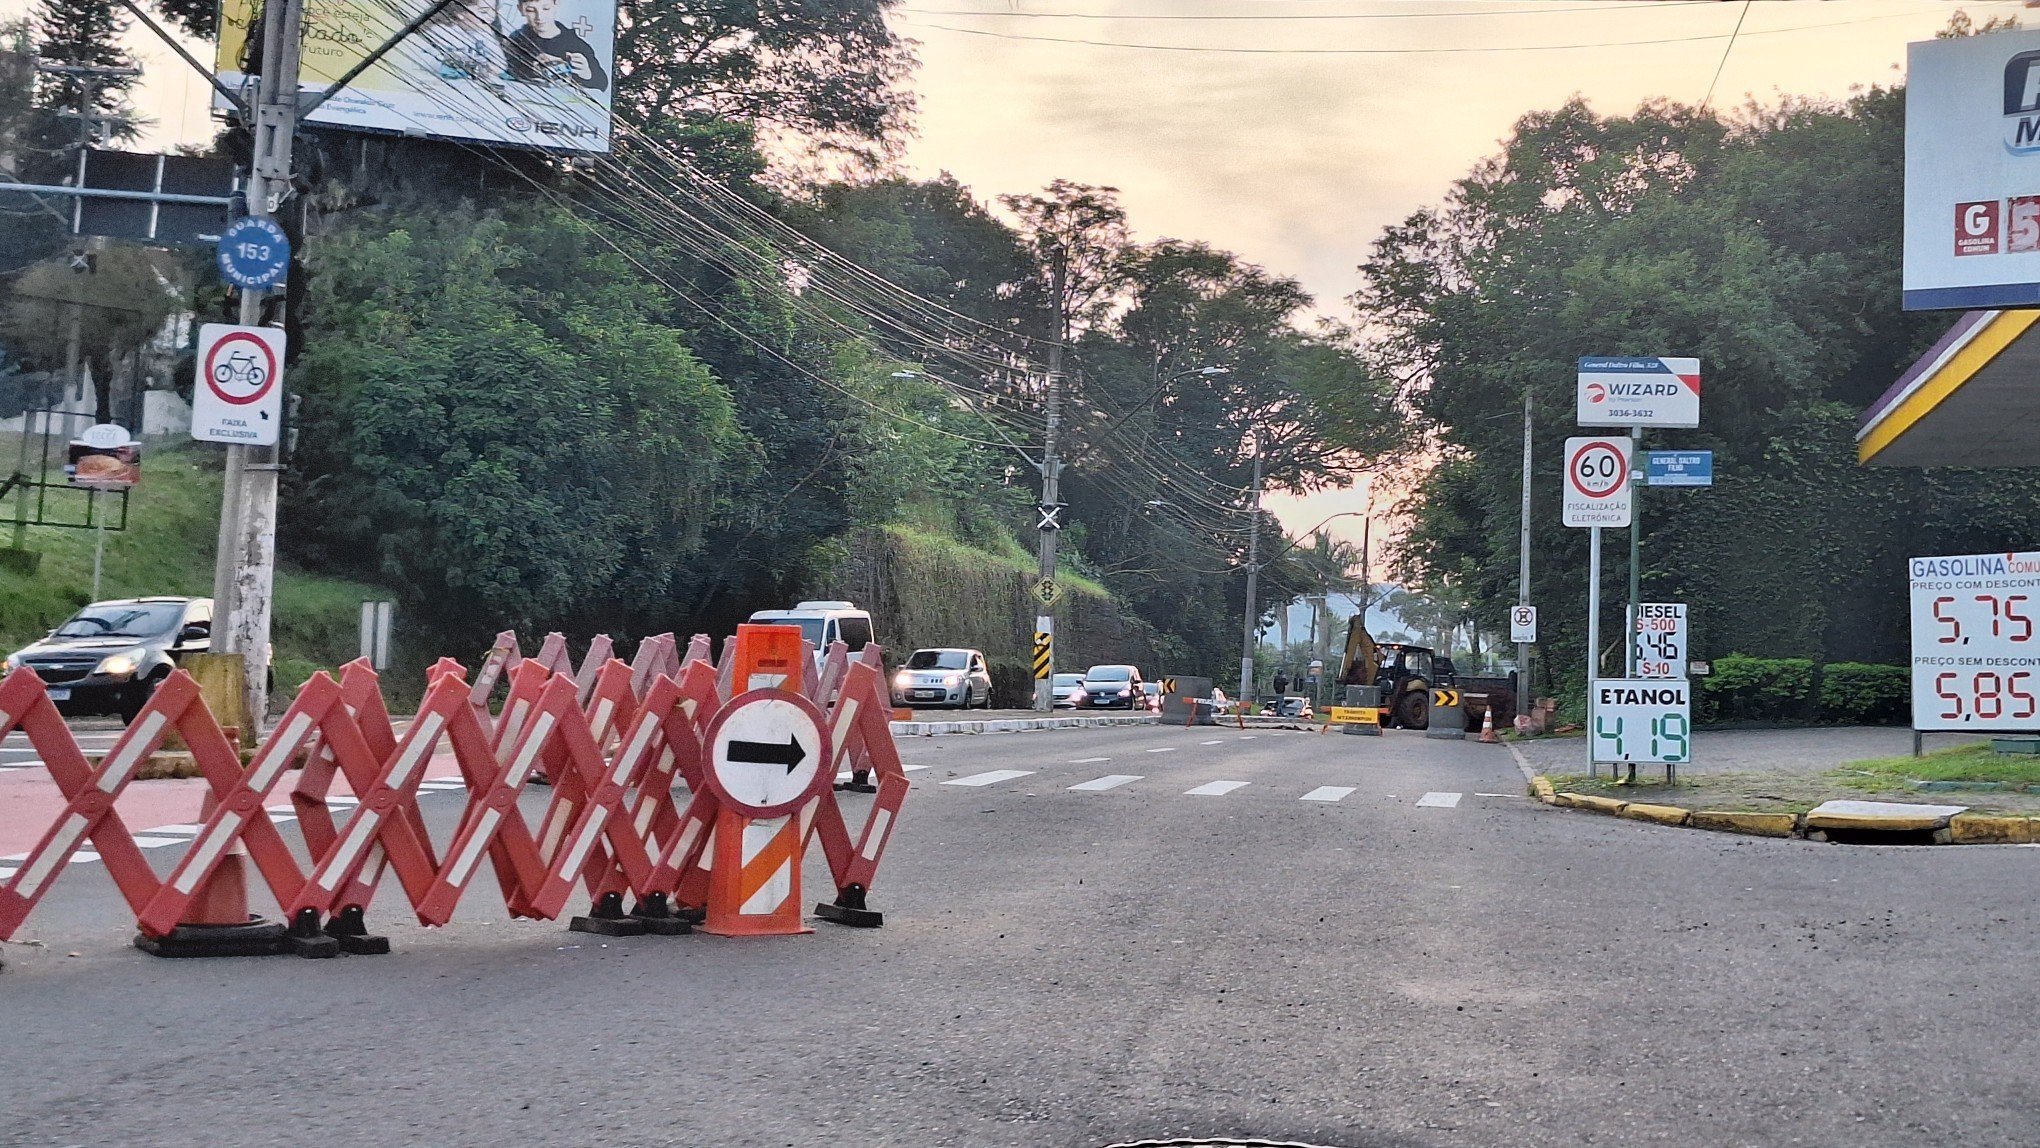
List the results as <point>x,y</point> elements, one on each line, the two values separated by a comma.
<point>110,656</point>
<point>1111,687</point>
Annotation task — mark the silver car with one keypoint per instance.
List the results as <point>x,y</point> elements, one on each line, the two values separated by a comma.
<point>944,677</point>
<point>1062,690</point>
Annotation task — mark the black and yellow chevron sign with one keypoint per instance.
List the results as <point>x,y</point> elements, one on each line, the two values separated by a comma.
<point>1168,686</point>
<point>1044,654</point>
<point>1444,699</point>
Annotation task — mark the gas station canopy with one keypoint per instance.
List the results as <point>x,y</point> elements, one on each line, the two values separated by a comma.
<point>1972,400</point>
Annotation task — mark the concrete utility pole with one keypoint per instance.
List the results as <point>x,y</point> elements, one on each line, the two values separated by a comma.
<point>1253,580</point>
<point>1635,550</point>
<point>1523,560</point>
<point>244,574</point>
<point>1051,486</point>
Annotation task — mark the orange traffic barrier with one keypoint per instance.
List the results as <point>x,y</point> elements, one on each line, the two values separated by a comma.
<point>619,742</point>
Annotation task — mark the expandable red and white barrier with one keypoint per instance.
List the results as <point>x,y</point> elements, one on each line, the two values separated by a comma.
<point>635,818</point>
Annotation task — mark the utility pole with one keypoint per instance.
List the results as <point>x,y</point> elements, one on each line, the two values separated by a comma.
<point>244,573</point>
<point>1051,486</point>
<point>1635,550</point>
<point>1253,580</point>
<point>1523,560</point>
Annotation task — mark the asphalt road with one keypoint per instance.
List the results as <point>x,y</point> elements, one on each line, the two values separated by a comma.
<point>1083,967</point>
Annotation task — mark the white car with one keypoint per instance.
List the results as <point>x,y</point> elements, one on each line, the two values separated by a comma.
<point>944,677</point>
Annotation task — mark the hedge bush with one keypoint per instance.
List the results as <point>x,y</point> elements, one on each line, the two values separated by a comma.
<point>1788,690</point>
<point>1857,693</point>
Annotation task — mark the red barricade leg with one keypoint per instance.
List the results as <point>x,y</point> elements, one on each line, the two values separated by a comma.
<point>861,730</point>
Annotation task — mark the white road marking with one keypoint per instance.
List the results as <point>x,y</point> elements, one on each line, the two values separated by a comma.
<point>1165,749</point>
<point>443,783</point>
<point>1328,793</point>
<point>1088,760</point>
<point>993,778</point>
<point>1247,737</point>
<point>1438,801</point>
<point>1214,789</point>
<point>1498,795</point>
<point>1109,781</point>
<point>84,855</point>
<point>189,830</point>
<point>157,842</point>
<point>911,768</point>
<point>7,872</point>
<point>1215,741</point>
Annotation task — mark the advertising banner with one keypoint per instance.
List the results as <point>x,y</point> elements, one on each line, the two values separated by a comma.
<point>1648,391</point>
<point>527,73</point>
<point>1972,172</point>
<point>1975,663</point>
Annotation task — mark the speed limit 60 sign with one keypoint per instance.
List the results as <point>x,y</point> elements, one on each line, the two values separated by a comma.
<point>238,396</point>
<point>1597,482</point>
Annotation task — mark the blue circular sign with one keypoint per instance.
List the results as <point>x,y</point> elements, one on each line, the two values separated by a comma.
<point>254,253</point>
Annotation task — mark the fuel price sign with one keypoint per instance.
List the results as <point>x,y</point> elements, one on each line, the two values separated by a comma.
<point>1641,719</point>
<point>1975,660</point>
<point>1659,636</point>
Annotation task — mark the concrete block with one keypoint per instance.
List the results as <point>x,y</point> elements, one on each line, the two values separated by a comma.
<point>1589,801</point>
<point>1755,824</point>
<point>1659,814</point>
<point>1880,816</point>
<point>1977,829</point>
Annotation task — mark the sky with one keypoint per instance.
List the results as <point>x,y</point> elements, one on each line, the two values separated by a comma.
<point>1293,131</point>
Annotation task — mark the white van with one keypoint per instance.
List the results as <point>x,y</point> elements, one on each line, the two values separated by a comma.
<point>823,623</point>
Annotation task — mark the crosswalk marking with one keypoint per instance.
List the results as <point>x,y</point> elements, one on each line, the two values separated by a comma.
<point>1214,789</point>
<point>1438,801</point>
<point>1214,741</point>
<point>188,830</point>
<point>1247,736</point>
<point>1327,793</point>
<point>993,778</point>
<point>1088,760</point>
<point>156,842</point>
<point>1109,781</point>
<point>1165,749</point>
<point>911,768</point>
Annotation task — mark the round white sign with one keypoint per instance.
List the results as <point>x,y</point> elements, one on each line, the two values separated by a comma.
<point>767,749</point>
<point>105,436</point>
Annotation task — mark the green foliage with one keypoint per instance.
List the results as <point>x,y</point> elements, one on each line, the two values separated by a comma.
<point>1674,232</point>
<point>1857,693</point>
<point>1746,689</point>
<point>500,428</point>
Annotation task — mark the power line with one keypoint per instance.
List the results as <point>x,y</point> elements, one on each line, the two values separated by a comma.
<point>1454,51</point>
<point>1271,16</point>
<point>1726,49</point>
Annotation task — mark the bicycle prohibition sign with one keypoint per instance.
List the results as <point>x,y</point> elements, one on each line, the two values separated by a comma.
<point>239,369</point>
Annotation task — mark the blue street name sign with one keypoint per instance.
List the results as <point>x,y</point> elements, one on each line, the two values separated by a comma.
<point>1679,468</point>
<point>254,253</point>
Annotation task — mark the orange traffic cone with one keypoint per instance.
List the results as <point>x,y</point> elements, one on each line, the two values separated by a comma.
<point>1487,728</point>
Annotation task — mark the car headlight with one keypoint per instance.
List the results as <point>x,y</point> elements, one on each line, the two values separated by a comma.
<point>901,680</point>
<point>117,666</point>
<point>13,663</point>
<point>951,679</point>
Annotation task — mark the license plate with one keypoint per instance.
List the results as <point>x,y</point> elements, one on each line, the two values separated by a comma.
<point>927,693</point>
<point>59,694</point>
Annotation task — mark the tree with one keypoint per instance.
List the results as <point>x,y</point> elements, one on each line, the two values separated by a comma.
<point>1670,231</point>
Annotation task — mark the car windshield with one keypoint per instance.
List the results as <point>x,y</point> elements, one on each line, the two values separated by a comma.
<point>938,660</point>
<point>124,620</point>
<point>1109,674</point>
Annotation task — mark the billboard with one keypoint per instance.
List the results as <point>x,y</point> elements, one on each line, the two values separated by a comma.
<point>1972,172</point>
<point>527,73</point>
<point>1639,391</point>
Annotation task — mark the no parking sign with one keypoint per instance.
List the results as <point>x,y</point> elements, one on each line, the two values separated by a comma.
<point>238,396</point>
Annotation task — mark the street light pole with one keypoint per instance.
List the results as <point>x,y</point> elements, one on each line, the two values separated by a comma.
<point>1253,581</point>
<point>1523,557</point>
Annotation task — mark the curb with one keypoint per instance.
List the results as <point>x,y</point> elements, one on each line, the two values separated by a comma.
<point>1016,725</point>
<point>1961,829</point>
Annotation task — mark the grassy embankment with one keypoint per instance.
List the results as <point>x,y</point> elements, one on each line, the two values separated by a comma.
<point>167,548</point>
<point>1970,775</point>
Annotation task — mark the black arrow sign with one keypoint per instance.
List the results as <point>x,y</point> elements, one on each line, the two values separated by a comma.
<point>769,752</point>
